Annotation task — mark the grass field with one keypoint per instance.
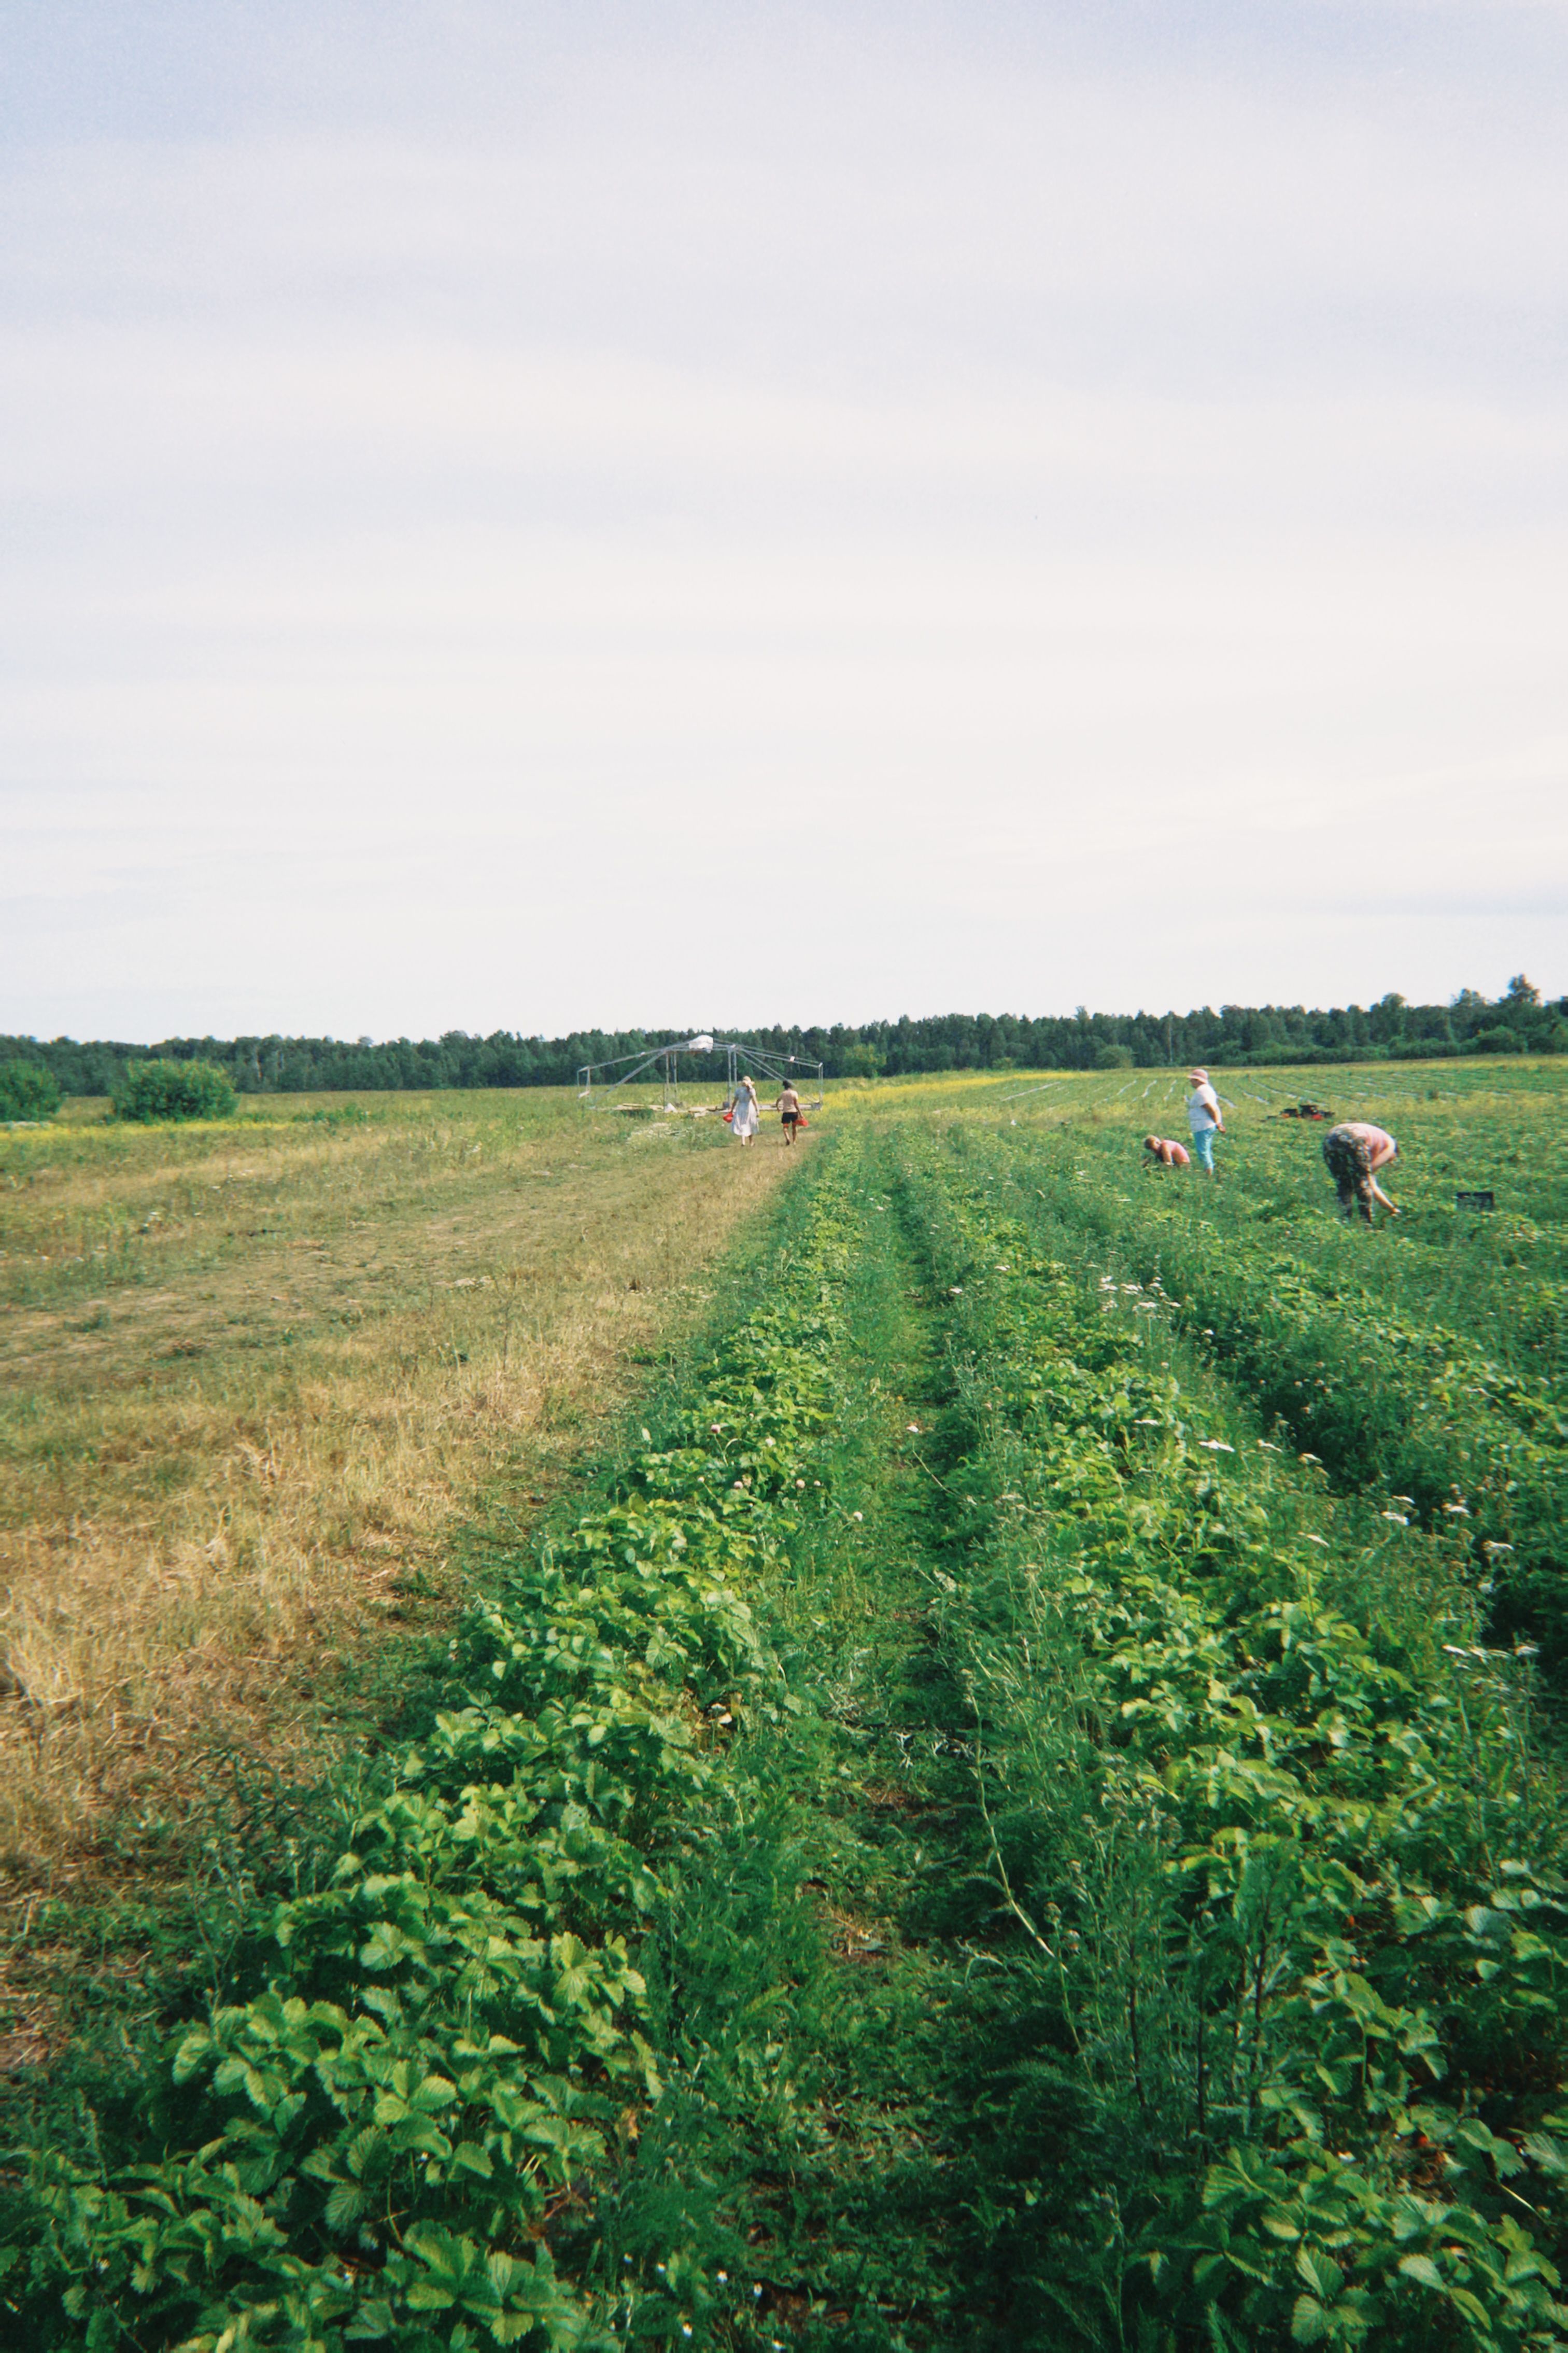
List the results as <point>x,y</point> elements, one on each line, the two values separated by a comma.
<point>1022,1804</point>
<point>251,1373</point>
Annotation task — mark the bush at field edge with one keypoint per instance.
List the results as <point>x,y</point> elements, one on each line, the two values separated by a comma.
<point>27,1092</point>
<point>155,1089</point>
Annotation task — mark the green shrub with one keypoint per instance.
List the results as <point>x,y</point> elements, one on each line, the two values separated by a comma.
<point>27,1092</point>
<point>174,1090</point>
<point>1498,1042</point>
<point>1113,1057</point>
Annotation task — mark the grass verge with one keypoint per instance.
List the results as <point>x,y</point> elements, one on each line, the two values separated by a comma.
<point>251,1376</point>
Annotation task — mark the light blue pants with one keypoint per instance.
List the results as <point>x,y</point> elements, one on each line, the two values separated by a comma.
<point>1203,1148</point>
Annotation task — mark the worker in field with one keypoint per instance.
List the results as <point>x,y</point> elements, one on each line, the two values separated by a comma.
<point>1204,1118</point>
<point>1355,1151</point>
<point>1168,1152</point>
<point>745,1111</point>
<point>788,1109</point>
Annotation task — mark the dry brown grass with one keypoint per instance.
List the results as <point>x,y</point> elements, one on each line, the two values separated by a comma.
<point>249,1378</point>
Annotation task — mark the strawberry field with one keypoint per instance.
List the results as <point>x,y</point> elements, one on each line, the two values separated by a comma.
<point>1023,1806</point>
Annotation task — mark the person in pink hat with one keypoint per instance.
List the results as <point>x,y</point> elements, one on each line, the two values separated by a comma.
<point>1204,1118</point>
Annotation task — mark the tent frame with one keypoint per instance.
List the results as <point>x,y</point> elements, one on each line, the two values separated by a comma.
<point>597,1085</point>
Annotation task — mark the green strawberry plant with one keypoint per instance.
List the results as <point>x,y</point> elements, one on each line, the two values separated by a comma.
<point>1301,1956</point>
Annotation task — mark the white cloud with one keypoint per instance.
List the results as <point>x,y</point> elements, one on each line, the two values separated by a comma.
<point>1065,523</point>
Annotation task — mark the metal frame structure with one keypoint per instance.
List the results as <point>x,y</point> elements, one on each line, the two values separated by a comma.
<point>596,1086</point>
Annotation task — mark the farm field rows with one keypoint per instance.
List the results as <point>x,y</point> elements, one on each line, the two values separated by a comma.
<point>999,1817</point>
<point>1430,1362</point>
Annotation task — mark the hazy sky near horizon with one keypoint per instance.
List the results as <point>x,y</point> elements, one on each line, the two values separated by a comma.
<point>540,515</point>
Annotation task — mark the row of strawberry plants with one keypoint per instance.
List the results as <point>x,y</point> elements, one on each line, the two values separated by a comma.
<point>1287,1903</point>
<point>395,2140</point>
<point>1387,1402</point>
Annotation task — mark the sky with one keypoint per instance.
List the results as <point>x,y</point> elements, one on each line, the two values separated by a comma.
<point>535,516</point>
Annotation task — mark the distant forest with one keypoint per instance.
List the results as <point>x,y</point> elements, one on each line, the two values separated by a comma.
<point>1516,1022</point>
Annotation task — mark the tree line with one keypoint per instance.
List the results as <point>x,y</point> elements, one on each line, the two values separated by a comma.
<point>1516,1022</point>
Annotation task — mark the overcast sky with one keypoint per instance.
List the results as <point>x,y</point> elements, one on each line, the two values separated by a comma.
<point>529,515</point>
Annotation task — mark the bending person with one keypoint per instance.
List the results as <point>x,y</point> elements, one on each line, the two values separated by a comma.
<point>1355,1151</point>
<point>1168,1152</point>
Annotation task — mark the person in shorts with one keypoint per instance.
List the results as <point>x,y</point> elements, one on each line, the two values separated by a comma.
<point>1168,1152</point>
<point>788,1109</point>
<point>1204,1118</point>
<point>1354,1152</point>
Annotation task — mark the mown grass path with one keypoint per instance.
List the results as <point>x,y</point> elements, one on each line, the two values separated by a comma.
<point>254,1378</point>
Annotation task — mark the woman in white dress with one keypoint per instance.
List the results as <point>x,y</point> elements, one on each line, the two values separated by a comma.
<point>743,1125</point>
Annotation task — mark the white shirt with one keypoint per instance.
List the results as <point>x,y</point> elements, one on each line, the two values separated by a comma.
<point>1203,1109</point>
